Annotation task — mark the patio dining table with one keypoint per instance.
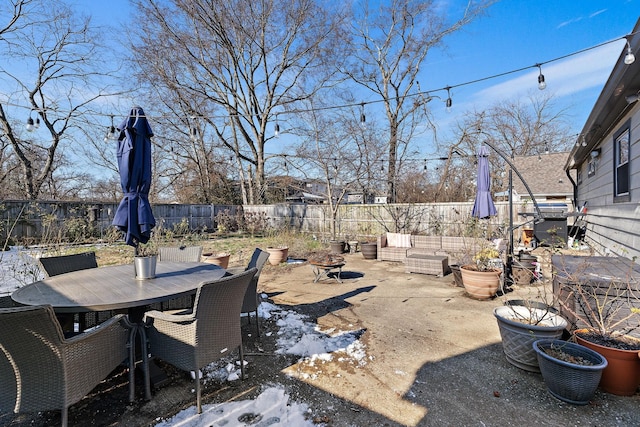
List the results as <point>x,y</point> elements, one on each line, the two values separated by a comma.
<point>116,288</point>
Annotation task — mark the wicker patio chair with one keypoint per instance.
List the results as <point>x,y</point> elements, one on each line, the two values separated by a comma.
<point>178,254</point>
<point>55,265</point>
<point>192,339</point>
<point>251,299</point>
<point>40,370</point>
<point>6,302</point>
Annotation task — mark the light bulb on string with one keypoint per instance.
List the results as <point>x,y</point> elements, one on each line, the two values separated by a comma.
<point>277,128</point>
<point>30,125</point>
<point>541,83</point>
<point>629,58</point>
<point>449,101</point>
<point>193,131</point>
<point>363,118</point>
<point>111,132</point>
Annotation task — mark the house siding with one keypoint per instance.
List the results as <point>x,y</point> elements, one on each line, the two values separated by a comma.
<point>613,228</point>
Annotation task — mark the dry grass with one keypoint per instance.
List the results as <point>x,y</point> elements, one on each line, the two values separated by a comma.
<point>240,247</point>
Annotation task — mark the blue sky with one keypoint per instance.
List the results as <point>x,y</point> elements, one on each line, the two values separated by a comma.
<point>520,33</point>
<point>514,34</point>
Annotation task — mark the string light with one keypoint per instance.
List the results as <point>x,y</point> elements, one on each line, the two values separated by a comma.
<point>31,125</point>
<point>541,83</point>
<point>363,118</point>
<point>111,132</point>
<point>629,58</point>
<point>193,130</point>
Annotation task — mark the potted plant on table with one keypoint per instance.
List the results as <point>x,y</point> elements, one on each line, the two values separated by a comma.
<point>570,371</point>
<point>604,313</point>
<point>145,259</point>
<point>482,279</point>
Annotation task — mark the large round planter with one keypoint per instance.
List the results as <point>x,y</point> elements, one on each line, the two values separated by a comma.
<point>278,255</point>
<point>457,275</point>
<point>570,382</point>
<point>369,250</point>
<point>219,259</point>
<point>337,246</point>
<point>622,376</point>
<point>518,336</point>
<point>480,285</point>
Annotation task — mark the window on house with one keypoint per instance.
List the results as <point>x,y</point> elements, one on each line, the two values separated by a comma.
<point>621,176</point>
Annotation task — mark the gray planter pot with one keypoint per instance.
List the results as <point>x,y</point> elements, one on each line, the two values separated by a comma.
<point>145,267</point>
<point>518,337</point>
<point>570,382</point>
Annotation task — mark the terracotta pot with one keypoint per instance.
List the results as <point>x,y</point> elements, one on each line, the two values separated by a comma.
<point>480,285</point>
<point>369,250</point>
<point>220,259</point>
<point>278,255</point>
<point>622,376</point>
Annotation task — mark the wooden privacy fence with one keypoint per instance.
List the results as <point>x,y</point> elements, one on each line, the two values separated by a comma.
<point>35,220</point>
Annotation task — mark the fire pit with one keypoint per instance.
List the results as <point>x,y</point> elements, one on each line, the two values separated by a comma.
<point>324,265</point>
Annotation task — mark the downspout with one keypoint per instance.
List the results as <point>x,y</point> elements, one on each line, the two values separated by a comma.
<point>575,188</point>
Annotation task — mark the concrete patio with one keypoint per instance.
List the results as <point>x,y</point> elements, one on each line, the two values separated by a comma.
<point>433,358</point>
<point>434,355</point>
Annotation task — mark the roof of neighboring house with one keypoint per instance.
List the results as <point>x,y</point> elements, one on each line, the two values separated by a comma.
<point>543,174</point>
<point>303,196</point>
<point>611,105</point>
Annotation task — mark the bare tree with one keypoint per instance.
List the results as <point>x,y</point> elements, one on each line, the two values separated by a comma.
<point>334,150</point>
<point>52,67</point>
<point>238,64</point>
<point>389,45</point>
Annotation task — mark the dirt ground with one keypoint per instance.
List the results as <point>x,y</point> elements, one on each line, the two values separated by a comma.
<point>434,358</point>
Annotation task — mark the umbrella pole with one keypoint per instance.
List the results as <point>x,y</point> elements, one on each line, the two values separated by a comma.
<point>510,250</point>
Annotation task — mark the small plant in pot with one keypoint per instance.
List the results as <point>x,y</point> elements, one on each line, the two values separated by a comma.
<point>605,311</point>
<point>481,280</point>
<point>145,259</point>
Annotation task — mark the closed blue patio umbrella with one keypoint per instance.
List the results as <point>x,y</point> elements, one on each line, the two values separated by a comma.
<point>134,216</point>
<point>483,206</point>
